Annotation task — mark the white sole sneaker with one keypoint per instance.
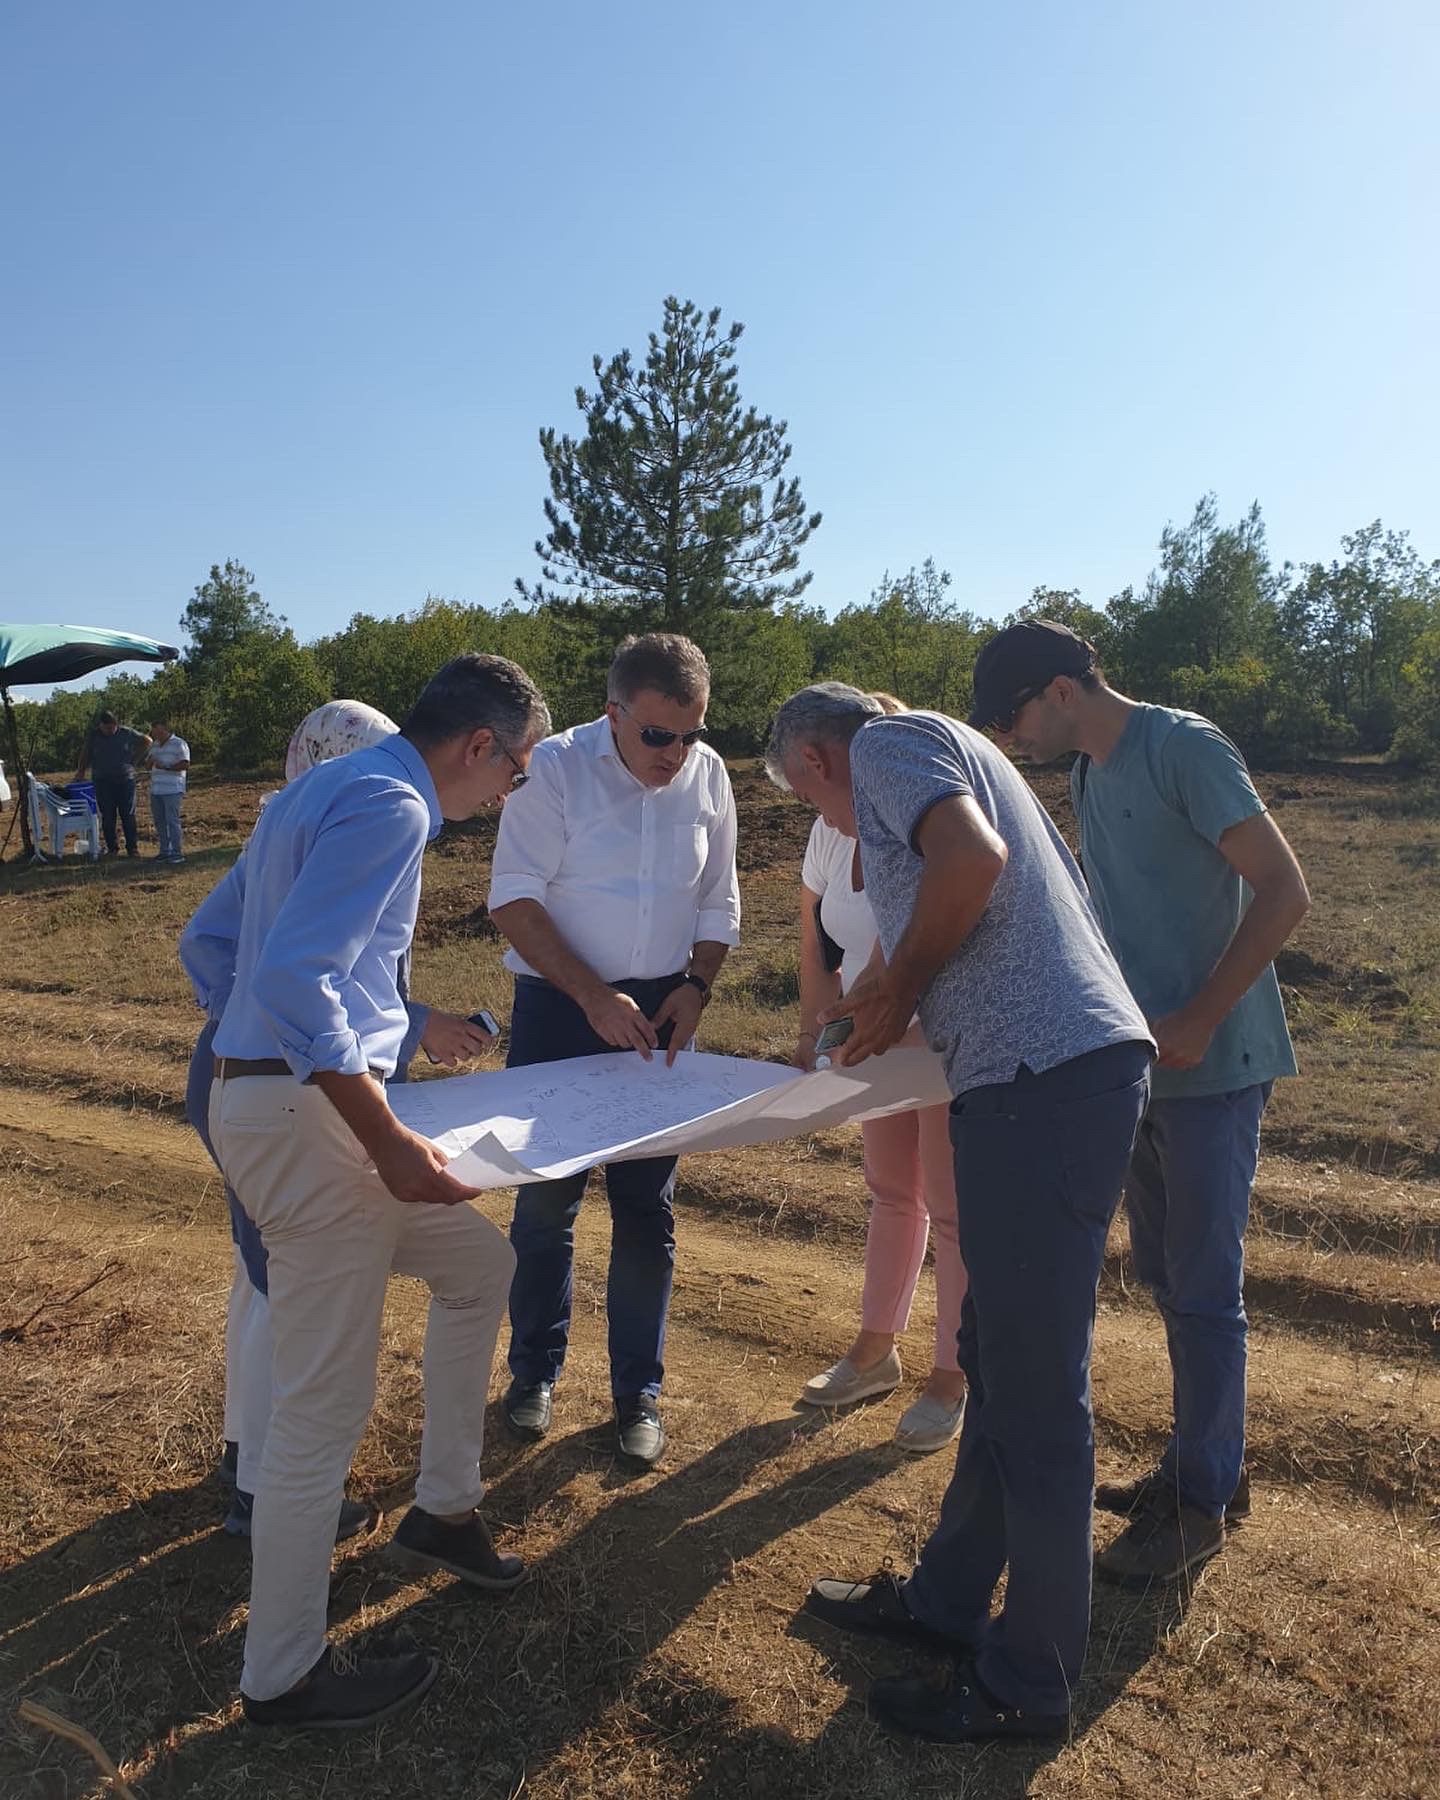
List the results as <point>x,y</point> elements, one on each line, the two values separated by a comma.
<point>842,1384</point>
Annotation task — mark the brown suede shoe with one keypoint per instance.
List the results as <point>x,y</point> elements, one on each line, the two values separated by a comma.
<point>1163,1544</point>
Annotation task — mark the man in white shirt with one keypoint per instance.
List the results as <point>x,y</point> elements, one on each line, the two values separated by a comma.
<point>614,880</point>
<point>169,758</point>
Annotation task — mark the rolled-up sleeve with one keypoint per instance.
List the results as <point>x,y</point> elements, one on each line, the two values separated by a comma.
<point>362,859</point>
<point>718,903</point>
<point>530,845</point>
<point>208,943</point>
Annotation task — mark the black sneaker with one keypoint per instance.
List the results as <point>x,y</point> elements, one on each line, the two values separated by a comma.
<point>355,1517</point>
<point>961,1712</point>
<point>526,1407</point>
<point>344,1692</point>
<point>875,1608</point>
<point>1131,1497</point>
<point>422,1541</point>
<point>639,1435</point>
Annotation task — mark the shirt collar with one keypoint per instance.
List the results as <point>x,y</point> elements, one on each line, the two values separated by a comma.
<point>417,772</point>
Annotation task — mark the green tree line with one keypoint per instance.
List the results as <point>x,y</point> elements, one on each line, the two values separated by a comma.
<point>674,508</point>
<point>1320,659</point>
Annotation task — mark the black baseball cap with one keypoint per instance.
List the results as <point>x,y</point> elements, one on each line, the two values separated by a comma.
<point>1021,658</point>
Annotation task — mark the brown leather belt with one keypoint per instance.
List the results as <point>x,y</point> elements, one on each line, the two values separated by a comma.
<point>231,1068</point>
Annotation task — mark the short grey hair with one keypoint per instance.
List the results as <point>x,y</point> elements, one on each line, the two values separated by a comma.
<point>662,661</point>
<point>829,712</point>
<point>474,692</point>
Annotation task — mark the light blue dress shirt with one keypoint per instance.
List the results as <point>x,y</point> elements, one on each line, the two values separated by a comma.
<point>298,949</point>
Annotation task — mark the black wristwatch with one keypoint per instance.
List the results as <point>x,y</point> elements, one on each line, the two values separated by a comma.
<point>699,981</point>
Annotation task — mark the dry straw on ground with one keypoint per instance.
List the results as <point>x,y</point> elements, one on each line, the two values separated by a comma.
<point>657,1649</point>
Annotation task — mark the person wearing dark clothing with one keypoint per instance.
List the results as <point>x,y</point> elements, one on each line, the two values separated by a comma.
<point>111,752</point>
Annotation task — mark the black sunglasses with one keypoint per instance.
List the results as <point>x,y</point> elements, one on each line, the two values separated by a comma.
<point>1005,721</point>
<point>520,777</point>
<point>656,737</point>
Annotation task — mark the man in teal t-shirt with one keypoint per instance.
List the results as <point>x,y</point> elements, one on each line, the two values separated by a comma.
<point>1196,890</point>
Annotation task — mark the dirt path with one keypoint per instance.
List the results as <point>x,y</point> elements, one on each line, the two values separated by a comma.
<point>657,1649</point>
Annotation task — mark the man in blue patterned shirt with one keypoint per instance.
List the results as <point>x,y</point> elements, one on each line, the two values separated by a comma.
<point>986,929</point>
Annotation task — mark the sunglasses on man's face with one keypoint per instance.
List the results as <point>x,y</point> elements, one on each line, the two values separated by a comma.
<point>520,777</point>
<point>656,737</point>
<point>1005,721</point>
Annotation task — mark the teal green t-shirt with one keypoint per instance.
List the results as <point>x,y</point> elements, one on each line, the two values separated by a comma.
<point>1151,817</point>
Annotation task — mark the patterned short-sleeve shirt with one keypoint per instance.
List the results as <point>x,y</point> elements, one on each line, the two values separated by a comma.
<point>1035,982</point>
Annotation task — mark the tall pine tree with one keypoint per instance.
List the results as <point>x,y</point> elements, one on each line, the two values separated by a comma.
<point>673,507</point>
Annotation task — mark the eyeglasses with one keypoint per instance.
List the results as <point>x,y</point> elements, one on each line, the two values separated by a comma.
<point>656,737</point>
<point>1005,721</point>
<point>521,776</point>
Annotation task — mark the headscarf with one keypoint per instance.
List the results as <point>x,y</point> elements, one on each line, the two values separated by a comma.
<point>335,729</point>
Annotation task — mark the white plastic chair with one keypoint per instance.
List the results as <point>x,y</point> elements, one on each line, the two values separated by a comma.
<point>54,817</point>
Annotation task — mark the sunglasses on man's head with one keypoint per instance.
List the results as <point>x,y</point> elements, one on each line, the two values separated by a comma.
<point>656,737</point>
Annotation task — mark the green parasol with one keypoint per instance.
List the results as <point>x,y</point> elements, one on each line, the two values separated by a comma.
<point>45,654</point>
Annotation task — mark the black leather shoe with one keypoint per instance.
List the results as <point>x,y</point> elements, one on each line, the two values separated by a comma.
<point>639,1435</point>
<point>355,1517</point>
<point>422,1541</point>
<point>876,1608</point>
<point>527,1408</point>
<point>1131,1497</point>
<point>344,1692</point>
<point>961,1712</point>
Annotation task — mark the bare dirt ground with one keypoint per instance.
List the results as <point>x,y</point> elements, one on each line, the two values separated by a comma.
<point>658,1649</point>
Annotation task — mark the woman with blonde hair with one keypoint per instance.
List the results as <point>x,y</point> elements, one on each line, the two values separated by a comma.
<point>909,1169</point>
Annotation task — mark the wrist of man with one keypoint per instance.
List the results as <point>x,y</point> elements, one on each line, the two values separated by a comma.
<point>700,985</point>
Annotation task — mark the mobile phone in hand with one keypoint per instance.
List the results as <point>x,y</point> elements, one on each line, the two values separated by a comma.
<point>833,1035</point>
<point>485,1020</point>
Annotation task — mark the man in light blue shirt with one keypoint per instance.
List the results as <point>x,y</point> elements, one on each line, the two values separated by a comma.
<point>300,947</point>
<point>1197,890</point>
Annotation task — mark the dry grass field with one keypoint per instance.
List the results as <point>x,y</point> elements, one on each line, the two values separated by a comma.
<point>658,1649</point>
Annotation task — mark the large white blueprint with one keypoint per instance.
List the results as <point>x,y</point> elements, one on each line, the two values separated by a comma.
<point>556,1118</point>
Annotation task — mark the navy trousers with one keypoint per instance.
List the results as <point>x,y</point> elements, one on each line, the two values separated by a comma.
<point>115,800</point>
<point>546,1026</point>
<point>1041,1161</point>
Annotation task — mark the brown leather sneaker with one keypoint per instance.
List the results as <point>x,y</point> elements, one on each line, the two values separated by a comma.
<point>344,1692</point>
<point>1163,1544</point>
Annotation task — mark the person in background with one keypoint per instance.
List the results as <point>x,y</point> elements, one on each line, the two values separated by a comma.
<point>169,760</point>
<point>112,750</point>
<point>985,927</point>
<point>909,1168</point>
<point>305,935</point>
<point>334,729</point>
<point>614,880</point>
<point>1197,890</point>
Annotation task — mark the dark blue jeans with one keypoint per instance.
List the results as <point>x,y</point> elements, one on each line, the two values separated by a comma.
<point>1039,1163</point>
<point>243,1228</point>
<point>546,1026</point>
<point>1188,1201</point>
<point>116,800</point>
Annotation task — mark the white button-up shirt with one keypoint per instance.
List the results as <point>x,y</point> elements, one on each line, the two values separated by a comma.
<point>631,876</point>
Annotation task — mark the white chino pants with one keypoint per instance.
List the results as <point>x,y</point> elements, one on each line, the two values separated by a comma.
<point>334,1233</point>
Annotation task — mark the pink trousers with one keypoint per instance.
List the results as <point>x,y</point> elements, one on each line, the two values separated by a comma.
<point>910,1171</point>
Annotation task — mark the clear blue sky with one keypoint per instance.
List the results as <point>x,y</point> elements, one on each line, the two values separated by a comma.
<point>298,283</point>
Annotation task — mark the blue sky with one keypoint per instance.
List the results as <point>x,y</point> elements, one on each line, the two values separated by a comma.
<point>299,283</point>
